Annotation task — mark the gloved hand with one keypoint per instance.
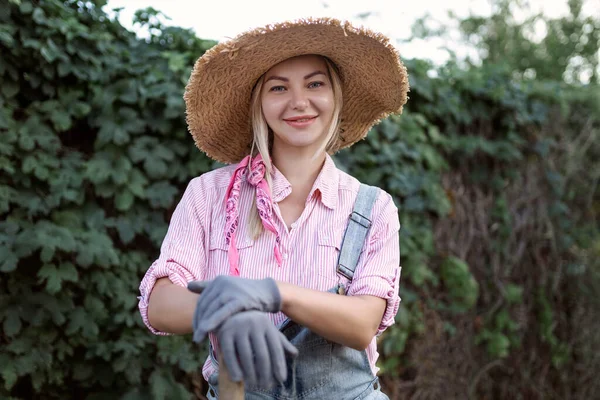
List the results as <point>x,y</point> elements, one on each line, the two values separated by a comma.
<point>225,296</point>
<point>254,349</point>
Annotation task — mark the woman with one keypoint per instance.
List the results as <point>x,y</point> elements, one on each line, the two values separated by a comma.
<point>260,240</point>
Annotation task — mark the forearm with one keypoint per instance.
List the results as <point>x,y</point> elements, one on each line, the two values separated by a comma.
<point>348,320</point>
<point>171,307</point>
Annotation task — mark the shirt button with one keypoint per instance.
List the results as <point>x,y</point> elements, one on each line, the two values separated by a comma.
<point>293,225</point>
<point>285,256</point>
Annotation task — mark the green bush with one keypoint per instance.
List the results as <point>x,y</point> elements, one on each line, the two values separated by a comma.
<point>95,155</point>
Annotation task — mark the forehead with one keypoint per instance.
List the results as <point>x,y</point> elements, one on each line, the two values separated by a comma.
<point>298,64</point>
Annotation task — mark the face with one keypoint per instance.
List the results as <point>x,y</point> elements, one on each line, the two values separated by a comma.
<point>297,102</point>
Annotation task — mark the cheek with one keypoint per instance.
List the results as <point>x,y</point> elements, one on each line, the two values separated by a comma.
<point>272,110</point>
<point>325,104</point>
<point>268,114</point>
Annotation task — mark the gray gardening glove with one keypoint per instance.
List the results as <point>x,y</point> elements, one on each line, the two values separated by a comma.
<point>225,296</point>
<point>254,349</point>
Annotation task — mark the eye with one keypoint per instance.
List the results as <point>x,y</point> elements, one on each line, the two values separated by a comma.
<point>316,84</point>
<point>277,89</point>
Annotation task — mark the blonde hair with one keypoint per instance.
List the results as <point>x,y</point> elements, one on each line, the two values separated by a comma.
<point>263,136</point>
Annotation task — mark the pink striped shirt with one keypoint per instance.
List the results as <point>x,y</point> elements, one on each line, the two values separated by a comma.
<point>194,247</point>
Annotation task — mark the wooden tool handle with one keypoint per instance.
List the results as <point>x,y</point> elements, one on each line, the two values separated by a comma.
<point>228,389</point>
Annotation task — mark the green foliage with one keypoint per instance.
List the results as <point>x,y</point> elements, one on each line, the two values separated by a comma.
<point>462,287</point>
<point>560,350</point>
<point>95,154</point>
<point>531,47</point>
<point>94,151</point>
<point>500,335</point>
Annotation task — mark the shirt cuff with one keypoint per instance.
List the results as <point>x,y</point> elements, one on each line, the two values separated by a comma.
<point>174,272</point>
<point>382,287</point>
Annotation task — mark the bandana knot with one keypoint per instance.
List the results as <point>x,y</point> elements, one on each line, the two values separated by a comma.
<point>264,203</point>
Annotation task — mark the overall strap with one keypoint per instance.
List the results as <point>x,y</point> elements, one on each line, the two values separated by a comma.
<point>356,231</point>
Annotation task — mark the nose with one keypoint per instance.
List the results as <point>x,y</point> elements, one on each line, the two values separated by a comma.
<point>299,100</point>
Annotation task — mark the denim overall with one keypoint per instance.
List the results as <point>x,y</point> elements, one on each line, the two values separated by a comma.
<point>323,369</point>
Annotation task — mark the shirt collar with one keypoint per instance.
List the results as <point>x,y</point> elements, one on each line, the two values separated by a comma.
<point>325,186</point>
<point>280,187</point>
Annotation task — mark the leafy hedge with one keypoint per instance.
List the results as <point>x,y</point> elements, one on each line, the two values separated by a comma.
<point>95,155</point>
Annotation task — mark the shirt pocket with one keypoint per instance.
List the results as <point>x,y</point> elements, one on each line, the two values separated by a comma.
<point>328,251</point>
<point>218,259</point>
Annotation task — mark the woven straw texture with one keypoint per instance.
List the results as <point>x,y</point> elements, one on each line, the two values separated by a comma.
<point>217,96</point>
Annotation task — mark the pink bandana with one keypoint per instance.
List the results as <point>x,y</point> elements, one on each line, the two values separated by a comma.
<point>264,203</point>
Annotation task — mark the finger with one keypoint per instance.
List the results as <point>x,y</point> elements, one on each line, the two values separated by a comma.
<point>197,286</point>
<point>199,315</point>
<point>215,318</point>
<point>208,299</point>
<point>287,346</point>
<point>263,359</point>
<point>244,351</point>
<point>277,356</point>
<point>230,358</point>
<point>198,333</point>
<point>209,294</point>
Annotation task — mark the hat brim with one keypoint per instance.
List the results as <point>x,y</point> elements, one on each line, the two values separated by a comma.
<point>218,94</point>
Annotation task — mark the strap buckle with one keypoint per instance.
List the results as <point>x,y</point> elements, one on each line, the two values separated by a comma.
<point>360,219</point>
<point>345,272</point>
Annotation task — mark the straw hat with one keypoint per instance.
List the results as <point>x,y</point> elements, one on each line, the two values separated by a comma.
<point>217,96</point>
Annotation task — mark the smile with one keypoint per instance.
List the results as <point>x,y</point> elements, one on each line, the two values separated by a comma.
<point>300,122</point>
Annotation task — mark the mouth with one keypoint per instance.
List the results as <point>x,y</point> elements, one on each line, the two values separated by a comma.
<point>301,121</point>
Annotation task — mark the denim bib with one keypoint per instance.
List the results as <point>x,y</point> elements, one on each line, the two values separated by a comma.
<point>324,369</point>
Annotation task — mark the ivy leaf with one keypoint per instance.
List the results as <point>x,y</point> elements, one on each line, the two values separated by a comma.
<point>513,294</point>
<point>80,109</point>
<point>137,393</point>
<point>120,136</point>
<point>26,142</point>
<point>53,282</point>
<point>9,375</point>
<point>55,276</point>
<point>50,52</point>
<point>498,345</point>
<point>8,260</point>
<point>39,16</point>
<point>10,89</point>
<point>61,120</point>
<point>98,169</point>
<point>159,385</point>
<point>6,39</point>
<point>125,230</point>
<point>161,194</point>
<point>6,195</point>
<point>124,200</point>
<point>77,321</point>
<point>26,7</point>
<point>64,68</point>
<point>137,183</point>
<point>106,133</point>
<point>461,285</point>
<point>414,204</point>
<point>129,92</point>
<point>156,168</point>
<point>12,322</point>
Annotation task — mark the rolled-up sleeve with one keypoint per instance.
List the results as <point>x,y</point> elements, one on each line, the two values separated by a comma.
<point>182,254</point>
<point>378,270</point>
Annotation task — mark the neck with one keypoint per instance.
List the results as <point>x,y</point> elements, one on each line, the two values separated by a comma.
<point>300,169</point>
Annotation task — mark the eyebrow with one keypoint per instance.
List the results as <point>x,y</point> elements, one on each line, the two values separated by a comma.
<point>281,78</point>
